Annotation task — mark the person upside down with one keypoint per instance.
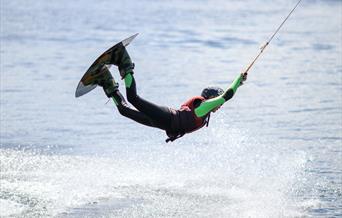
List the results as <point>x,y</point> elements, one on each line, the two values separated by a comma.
<point>192,115</point>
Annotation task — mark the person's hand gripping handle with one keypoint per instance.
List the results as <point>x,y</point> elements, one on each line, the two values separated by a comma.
<point>244,77</point>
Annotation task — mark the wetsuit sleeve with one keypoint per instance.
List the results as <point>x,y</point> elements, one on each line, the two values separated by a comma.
<point>205,107</point>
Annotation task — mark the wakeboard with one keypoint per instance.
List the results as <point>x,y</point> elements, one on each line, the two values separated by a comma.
<point>87,84</point>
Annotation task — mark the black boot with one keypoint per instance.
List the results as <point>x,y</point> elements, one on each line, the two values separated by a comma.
<point>120,58</point>
<point>106,80</point>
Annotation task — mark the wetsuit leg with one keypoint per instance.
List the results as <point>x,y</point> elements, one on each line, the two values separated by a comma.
<point>129,112</point>
<point>160,115</point>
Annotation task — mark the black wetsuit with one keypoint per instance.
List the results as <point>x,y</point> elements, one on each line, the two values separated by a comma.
<point>147,113</point>
<point>176,123</point>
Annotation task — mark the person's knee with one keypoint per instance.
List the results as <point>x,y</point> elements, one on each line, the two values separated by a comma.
<point>132,97</point>
<point>123,109</point>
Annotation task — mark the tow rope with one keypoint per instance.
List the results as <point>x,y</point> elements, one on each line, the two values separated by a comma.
<point>262,48</point>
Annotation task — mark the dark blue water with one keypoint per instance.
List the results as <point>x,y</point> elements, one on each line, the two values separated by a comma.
<point>274,150</point>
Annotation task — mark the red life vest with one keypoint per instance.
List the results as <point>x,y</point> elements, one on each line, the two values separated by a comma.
<point>186,120</point>
<point>189,106</point>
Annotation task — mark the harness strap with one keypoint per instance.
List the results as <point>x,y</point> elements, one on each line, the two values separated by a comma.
<point>172,138</point>
<point>207,120</point>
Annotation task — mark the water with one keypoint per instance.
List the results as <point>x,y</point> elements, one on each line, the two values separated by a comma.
<point>274,150</point>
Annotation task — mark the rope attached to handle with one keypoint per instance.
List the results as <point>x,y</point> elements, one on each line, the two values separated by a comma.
<point>262,48</point>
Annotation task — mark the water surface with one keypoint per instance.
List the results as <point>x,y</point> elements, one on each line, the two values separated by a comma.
<point>274,150</point>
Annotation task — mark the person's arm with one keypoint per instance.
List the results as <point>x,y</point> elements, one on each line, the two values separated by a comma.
<point>208,105</point>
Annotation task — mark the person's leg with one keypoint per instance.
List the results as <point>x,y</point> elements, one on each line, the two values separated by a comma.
<point>128,112</point>
<point>160,115</point>
<point>105,79</point>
